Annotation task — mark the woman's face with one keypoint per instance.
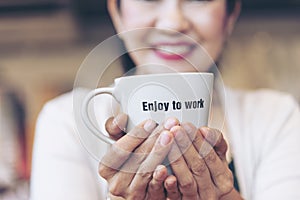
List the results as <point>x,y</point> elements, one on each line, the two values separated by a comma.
<point>173,33</point>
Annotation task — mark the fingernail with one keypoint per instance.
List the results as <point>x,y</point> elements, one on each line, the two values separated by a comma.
<point>170,122</point>
<point>149,126</point>
<point>165,138</point>
<point>205,131</point>
<point>171,183</point>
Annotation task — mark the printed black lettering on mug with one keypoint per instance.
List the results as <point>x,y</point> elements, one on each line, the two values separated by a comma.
<point>174,105</point>
<point>194,104</point>
<point>155,106</point>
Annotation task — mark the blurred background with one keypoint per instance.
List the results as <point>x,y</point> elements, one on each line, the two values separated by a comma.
<point>43,43</point>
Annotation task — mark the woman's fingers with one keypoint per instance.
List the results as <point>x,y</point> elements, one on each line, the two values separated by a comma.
<point>123,179</point>
<point>143,150</point>
<point>220,173</point>
<point>121,162</point>
<point>147,157</point>
<point>116,126</point>
<point>148,144</point>
<point>195,162</point>
<point>155,187</point>
<point>211,146</point>
<point>129,164</point>
<point>215,138</point>
<point>157,155</point>
<point>172,188</point>
<point>123,148</point>
<point>185,179</point>
<point>135,159</point>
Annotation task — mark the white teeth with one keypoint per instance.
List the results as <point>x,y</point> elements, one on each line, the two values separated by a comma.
<point>179,50</point>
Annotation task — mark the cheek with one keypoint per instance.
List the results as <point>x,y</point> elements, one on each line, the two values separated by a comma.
<point>210,24</point>
<point>134,16</point>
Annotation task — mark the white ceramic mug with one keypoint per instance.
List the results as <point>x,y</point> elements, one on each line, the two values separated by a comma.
<point>186,96</point>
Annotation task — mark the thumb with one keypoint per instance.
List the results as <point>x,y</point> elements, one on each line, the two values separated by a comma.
<point>115,126</point>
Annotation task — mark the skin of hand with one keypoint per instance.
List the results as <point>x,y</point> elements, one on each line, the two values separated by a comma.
<point>135,172</point>
<point>212,147</point>
<point>198,161</point>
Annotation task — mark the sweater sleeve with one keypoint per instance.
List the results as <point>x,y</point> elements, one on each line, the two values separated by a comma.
<point>61,168</point>
<point>277,166</point>
<point>265,134</point>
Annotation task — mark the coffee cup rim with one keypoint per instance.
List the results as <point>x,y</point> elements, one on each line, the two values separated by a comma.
<point>166,74</point>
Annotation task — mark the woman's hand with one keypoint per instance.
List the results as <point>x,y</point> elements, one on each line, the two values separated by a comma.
<point>199,163</point>
<point>116,126</point>
<point>132,166</point>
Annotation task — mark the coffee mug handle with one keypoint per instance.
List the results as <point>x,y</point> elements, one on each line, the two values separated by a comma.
<point>86,117</point>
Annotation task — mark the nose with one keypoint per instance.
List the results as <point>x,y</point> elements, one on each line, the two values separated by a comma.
<point>172,17</point>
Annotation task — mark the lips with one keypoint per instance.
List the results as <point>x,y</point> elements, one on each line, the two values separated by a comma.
<point>173,51</point>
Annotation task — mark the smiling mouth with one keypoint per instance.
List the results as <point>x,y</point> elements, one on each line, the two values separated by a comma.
<point>177,51</point>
